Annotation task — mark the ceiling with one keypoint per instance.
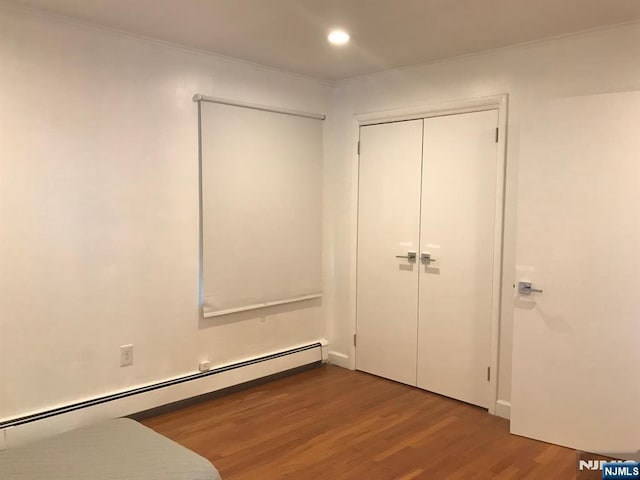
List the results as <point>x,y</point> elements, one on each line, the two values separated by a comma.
<point>386,34</point>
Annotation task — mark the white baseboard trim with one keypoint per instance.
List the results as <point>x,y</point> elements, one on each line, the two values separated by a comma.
<point>503,409</point>
<point>15,432</point>
<point>339,359</point>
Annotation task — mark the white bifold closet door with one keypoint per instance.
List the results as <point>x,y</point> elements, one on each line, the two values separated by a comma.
<point>428,187</point>
<point>457,230</point>
<point>388,228</point>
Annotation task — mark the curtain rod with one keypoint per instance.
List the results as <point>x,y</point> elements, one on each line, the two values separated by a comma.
<point>198,97</point>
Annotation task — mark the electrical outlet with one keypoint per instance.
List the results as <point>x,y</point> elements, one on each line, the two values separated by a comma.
<point>126,355</point>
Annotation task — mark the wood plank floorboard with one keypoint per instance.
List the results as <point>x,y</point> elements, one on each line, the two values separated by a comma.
<point>329,423</point>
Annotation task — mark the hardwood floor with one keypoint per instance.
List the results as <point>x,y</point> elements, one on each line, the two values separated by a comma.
<point>331,423</point>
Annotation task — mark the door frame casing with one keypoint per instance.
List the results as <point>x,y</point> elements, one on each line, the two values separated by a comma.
<point>496,102</point>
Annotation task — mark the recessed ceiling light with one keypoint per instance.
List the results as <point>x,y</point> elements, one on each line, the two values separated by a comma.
<point>338,37</point>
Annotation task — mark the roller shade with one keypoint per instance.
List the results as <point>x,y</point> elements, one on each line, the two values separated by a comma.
<point>261,207</point>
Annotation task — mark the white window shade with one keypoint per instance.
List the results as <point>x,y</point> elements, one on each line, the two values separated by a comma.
<point>261,208</point>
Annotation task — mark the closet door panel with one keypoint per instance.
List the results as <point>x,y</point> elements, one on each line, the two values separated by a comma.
<point>388,228</point>
<point>457,231</point>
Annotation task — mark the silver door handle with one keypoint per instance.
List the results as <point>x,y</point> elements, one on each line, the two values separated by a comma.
<point>411,256</point>
<point>426,258</point>
<point>526,288</point>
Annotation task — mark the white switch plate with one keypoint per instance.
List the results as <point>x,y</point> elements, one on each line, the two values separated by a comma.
<point>126,355</point>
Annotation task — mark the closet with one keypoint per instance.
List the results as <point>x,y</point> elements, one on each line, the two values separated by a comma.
<point>426,257</point>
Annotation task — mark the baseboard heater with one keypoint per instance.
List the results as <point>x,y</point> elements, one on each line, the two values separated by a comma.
<point>21,429</point>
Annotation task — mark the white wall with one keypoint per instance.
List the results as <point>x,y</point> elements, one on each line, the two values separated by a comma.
<point>596,62</point>
<point>99,211</point>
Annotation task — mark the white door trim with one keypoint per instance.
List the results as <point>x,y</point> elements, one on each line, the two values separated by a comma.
<point>497,102</point>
